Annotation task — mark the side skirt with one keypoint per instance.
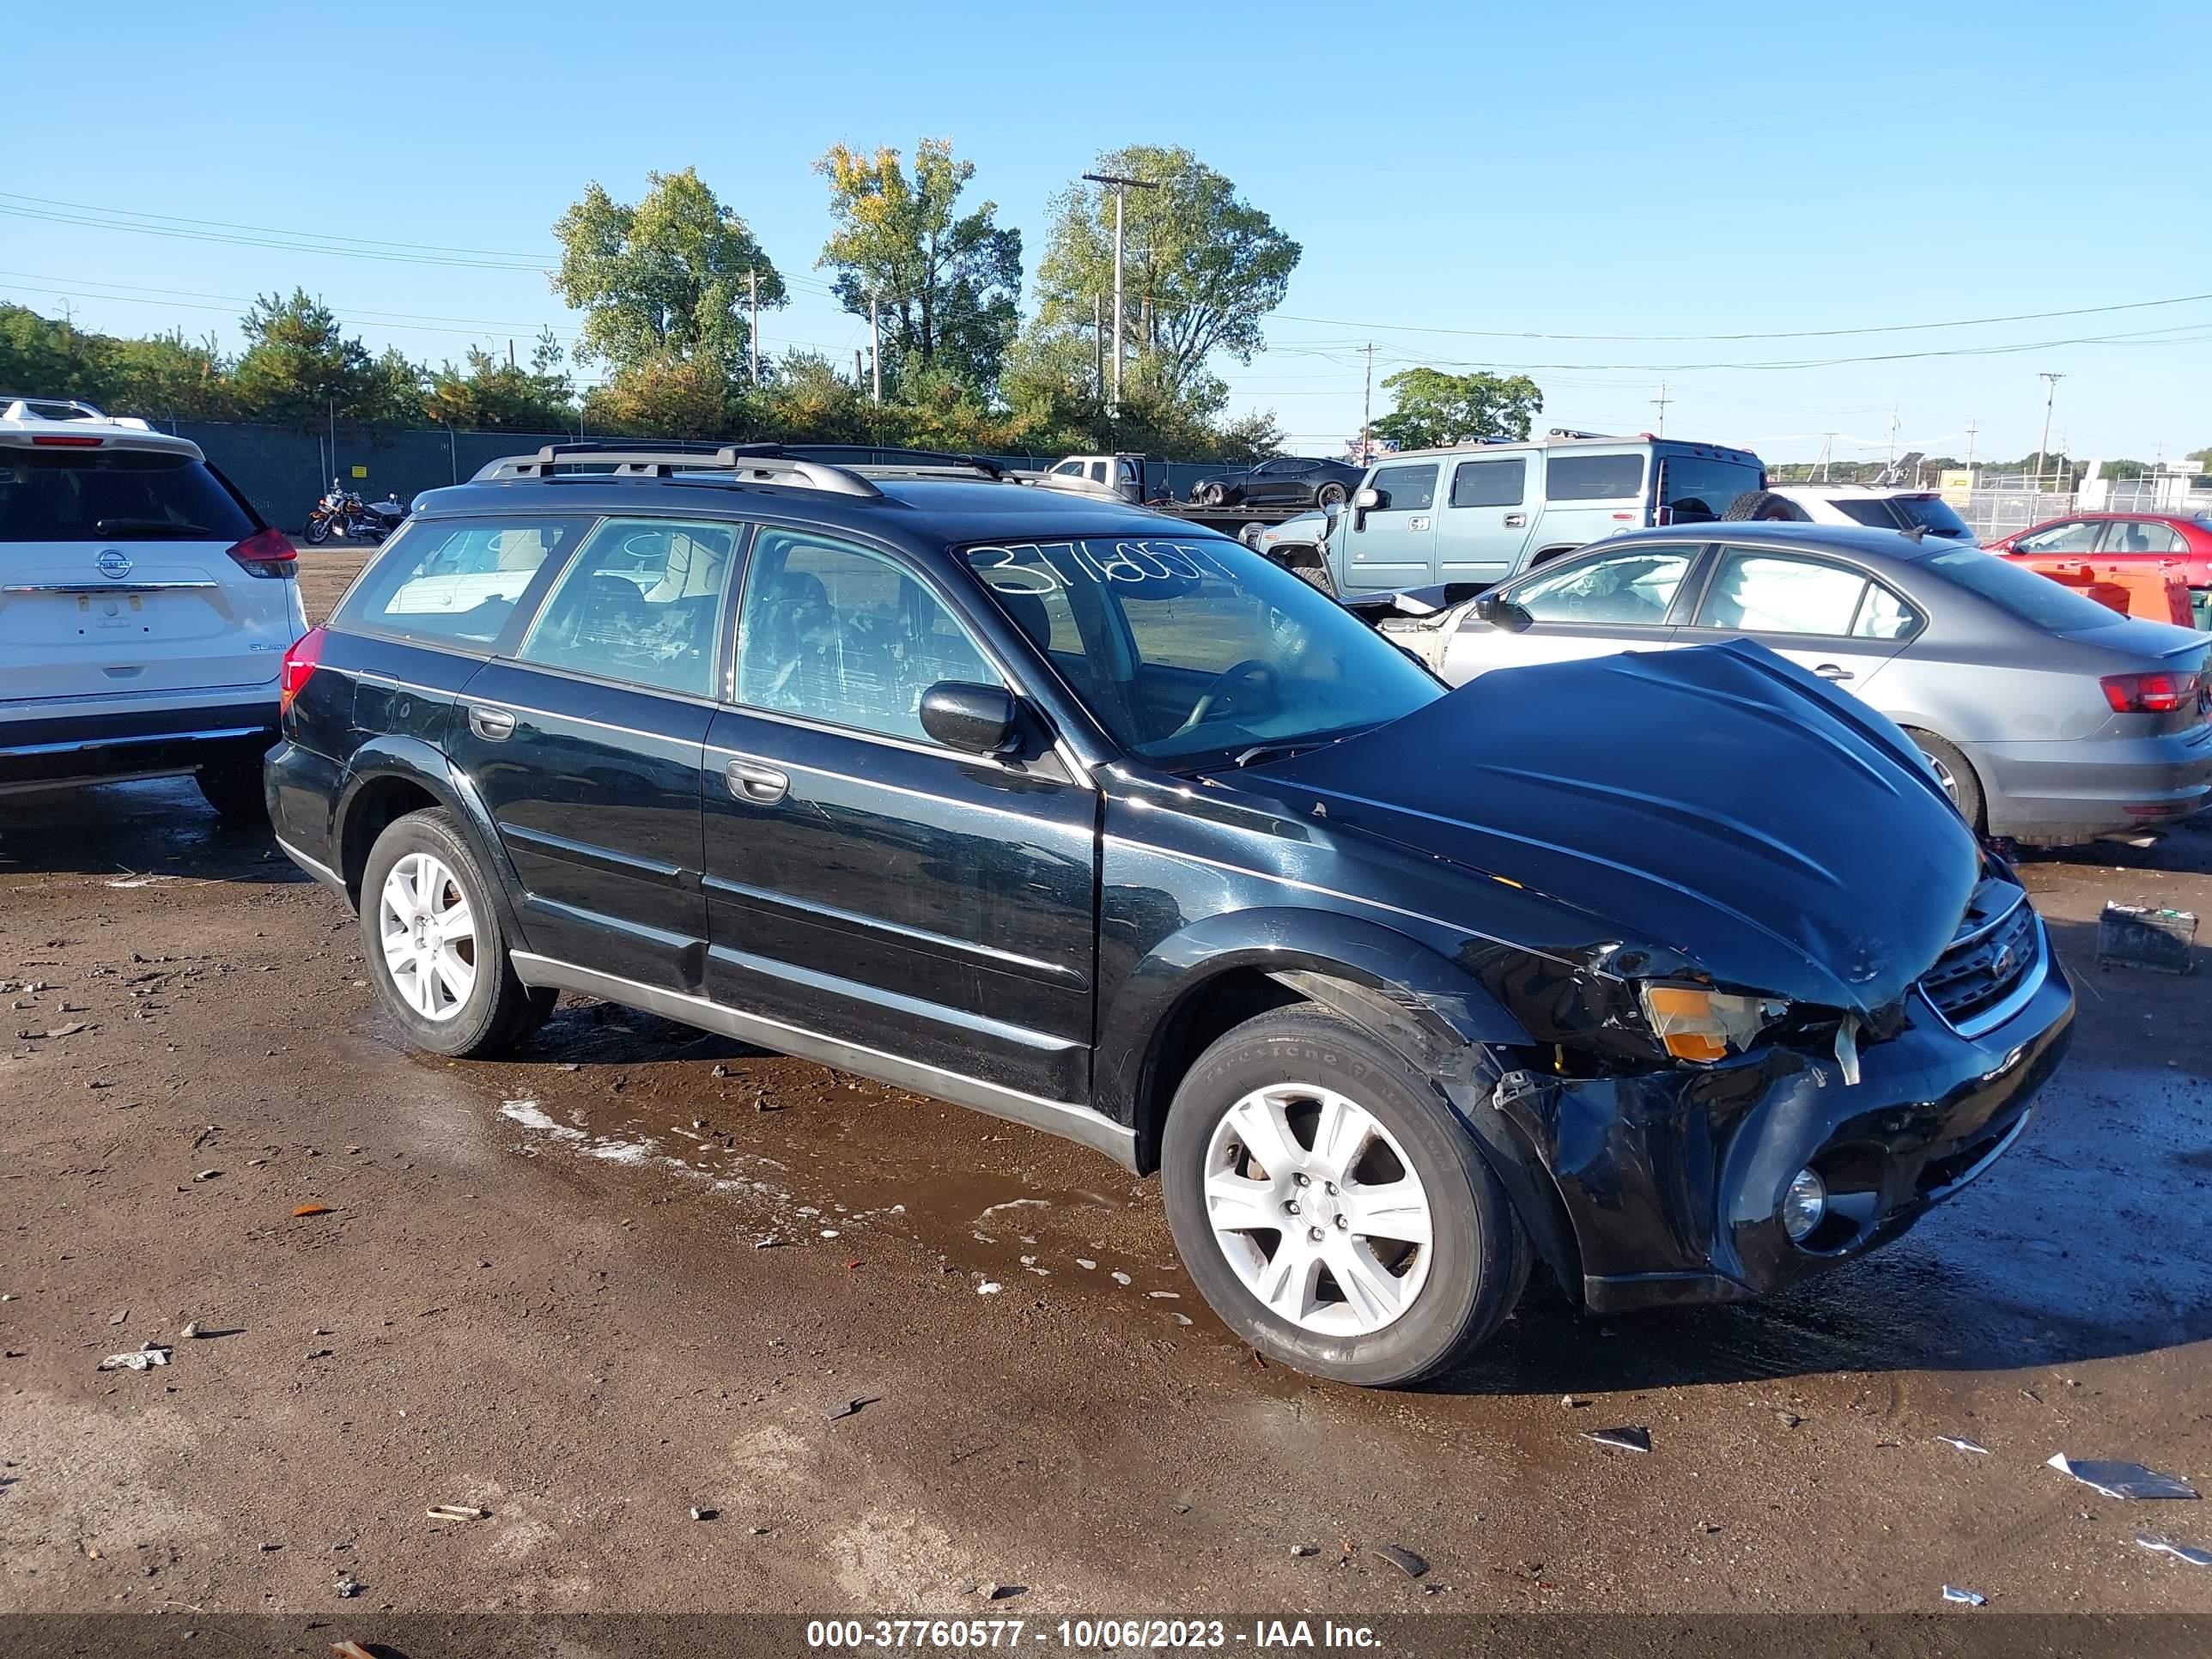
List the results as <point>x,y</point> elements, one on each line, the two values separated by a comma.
<point>1078,1123</point>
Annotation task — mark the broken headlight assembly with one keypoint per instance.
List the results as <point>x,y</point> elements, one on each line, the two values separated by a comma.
<point>1694,1022</point>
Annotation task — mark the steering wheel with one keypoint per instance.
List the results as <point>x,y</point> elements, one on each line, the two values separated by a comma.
<point>1227,690</point>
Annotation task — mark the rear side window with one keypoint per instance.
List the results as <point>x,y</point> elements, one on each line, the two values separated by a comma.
<point>1406,488</point>
<point>641,602</point>
<point>116,495</point>
<point>1700,488</point>
<point>1762,593</point>
<point>2140,535</point>
<point>1490,483</point>
<point>454,580</point>
<point>1593,477</point>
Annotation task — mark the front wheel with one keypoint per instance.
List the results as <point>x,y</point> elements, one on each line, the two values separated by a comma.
<point>1329,1207</point>
<point>1329,494</point>
<point>1214,495</point>
<point>436,949</point>
<point>318,529</point>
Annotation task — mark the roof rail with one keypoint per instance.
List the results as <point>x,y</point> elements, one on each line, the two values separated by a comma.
<point>63,409</point>
<point>747,463</point>
<point>862,457</point>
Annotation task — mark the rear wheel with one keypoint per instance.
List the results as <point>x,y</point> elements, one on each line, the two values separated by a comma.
<point>436,950</point>
<point>234,790</point>
<point>1956,774</point>
<point>1331,1210</point>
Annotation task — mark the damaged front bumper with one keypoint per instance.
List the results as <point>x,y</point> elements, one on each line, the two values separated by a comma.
<point>1672,1181</point>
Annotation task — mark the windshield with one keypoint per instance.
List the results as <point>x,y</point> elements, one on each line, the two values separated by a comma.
<point>1930,512</point>
<point>1701,490</point>
<point>2031,598</point>
<point>1197,650</point>
<point>115,495</point>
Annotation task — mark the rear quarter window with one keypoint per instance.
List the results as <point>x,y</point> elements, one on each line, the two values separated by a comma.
<point>117,496</point>
<point>1593,477</point>
<point>455,580</point>
<point>2033,598</point>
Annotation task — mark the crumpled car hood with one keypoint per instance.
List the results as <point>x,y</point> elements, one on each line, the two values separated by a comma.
<point>1715,802</point>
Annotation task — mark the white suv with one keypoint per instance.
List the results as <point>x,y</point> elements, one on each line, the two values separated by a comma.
<point>1879,507</point>
<point>145,609</point>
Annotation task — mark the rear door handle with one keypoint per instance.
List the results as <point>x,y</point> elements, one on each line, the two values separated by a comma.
<point>492,724</point>
<point>752,781</point>
<point>1517,520</point>
<point>1829,671</point>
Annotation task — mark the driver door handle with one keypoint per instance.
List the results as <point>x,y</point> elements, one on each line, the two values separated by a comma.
<point>1830,670</point>
<point>752,781</point>
<point>492,724</point>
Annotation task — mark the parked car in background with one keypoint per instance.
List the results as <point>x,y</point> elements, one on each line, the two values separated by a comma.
<point>1050,806</point>
<point>2048,717</point>
<point>2126,541</point>
<point>1286,481</point>
<point>144,609</point>
<point>1477,514</point>
<point>1875,505</point>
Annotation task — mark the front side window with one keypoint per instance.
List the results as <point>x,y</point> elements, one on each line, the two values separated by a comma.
<point>2075,535</point>
<point>642,603</point>
<point>1633,590</point>
<point>1195,651</point>
<point>1593,477</point>
<point>1406,488</point>
<point>1068,470</point>
<point>455,579</point>
<point>835,633</point>
<point>1490,483</point>
<point>1769,593</point>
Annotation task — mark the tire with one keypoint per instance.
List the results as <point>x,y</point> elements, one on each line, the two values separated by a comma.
<point>318,530</point>
<point>1457,1288</point>
<point>1763,505</point>
<point>234,790</point>
<point>494,1010</point>
<point>1957,775</point>
<point>1331,494</point>
<point>1214,495</point>
<point>1311,569</point>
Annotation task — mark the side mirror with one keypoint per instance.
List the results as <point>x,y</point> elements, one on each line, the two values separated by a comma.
<point>1501,612</point>
<point>976,719</point>
<point>1367,498</point>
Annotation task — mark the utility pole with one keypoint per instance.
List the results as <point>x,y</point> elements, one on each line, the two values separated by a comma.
<point>752,334</point>
<point>1367,411</point>
<point>1121,187</point>
<point>1662,400</point>
<point>1896,420</point>
<point>1098,339</point>
<point>876,346</point>
<point>859,378</point>
<point>1827,448</point>
<point>1973,430</point>
<point>2050,397</point>
<point>510,351</point>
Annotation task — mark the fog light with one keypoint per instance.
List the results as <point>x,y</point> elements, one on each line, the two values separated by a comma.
<point>1804,1206</point>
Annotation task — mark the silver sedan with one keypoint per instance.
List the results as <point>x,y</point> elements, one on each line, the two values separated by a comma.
<point>2048,718</point>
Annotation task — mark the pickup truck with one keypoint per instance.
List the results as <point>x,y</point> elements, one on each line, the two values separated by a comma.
<point>1475,513</point>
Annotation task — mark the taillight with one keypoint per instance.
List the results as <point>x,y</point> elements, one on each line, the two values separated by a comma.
<point>270,553</point>
<point>299,663</point>
<point>2149,694</point>
<point>68,443</point>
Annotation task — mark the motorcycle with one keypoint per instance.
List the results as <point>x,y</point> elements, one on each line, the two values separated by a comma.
<point>342,513</point>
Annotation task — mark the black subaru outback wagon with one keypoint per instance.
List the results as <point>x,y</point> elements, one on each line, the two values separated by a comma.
<point>1674,971</point>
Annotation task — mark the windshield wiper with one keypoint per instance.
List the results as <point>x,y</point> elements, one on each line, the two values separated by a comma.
<point>154,527</point>
<point>1259,751</point>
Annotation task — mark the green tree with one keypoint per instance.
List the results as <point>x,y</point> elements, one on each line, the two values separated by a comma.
<point>1202,266</point>
<point>298,364</point>
<point>669,396</point>
<point>947,282</point>
<point>806,399</point>
<point>494,394</point>
<point>44,358</point>
<point>1434,408</point>
<point>664,280</point>
<point>167,377</point>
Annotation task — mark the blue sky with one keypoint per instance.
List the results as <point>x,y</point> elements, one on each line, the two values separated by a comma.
<point>1559,169</point>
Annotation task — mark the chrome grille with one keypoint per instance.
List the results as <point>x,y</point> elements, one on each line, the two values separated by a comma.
<point>1996,955</point>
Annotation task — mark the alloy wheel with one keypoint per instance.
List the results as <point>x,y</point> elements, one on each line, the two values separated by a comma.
<point>1317,1208</point>
<point>428,933</point>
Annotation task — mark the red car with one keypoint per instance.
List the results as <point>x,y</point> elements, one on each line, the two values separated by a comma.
<point>2126,541</point>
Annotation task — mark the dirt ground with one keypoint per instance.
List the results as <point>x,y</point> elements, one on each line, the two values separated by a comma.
<point>545,1287</point>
